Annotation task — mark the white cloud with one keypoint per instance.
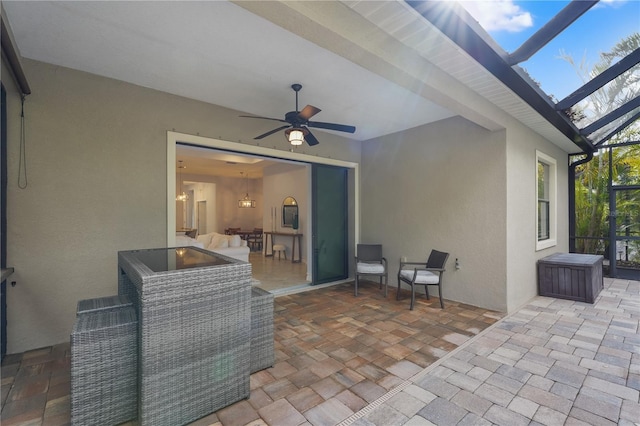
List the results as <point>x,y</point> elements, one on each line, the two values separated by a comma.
<point>499,15</point>
<point>611,3</point>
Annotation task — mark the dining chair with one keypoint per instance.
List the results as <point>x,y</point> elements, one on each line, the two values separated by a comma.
<point>254,239</point>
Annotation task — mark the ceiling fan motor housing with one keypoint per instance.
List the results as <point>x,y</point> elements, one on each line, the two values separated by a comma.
<point>292,117</point>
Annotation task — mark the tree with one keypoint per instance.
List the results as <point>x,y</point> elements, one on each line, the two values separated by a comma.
<point>592,178</point>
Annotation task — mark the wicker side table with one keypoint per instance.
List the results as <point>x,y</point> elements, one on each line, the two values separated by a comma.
<point>262,350</point>
<point>104,363</point>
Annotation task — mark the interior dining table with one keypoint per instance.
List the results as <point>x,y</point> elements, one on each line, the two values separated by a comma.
<point>244,234</point>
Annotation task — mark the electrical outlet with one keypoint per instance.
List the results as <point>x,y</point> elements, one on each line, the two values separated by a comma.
<point>403,258</point>
<point>457,264</point>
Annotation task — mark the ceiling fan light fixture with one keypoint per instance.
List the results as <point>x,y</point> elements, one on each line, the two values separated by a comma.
<point>295,136</point>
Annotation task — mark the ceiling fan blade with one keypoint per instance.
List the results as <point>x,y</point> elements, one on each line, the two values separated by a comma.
<point>332,126</point>
<point>264,135</point>
<point>308,112</point>
<point>263,118</point>
<point>310,139</point>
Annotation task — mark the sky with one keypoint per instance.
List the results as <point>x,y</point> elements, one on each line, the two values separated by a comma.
<point>511,22</point>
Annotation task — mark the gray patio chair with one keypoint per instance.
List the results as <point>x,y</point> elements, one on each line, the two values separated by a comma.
<point>426,274</point>
<point>369,261</point>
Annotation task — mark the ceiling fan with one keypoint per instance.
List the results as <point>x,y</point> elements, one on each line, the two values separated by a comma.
<point>298,123</point>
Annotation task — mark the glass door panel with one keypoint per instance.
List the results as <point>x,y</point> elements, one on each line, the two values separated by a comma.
<point>627,233</point>
<point>330,233</point>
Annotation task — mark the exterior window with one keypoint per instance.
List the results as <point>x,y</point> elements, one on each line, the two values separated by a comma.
<point>543,201</point>
<point>546,201</point>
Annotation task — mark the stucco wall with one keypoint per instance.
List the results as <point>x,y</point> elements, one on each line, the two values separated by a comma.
<point>441,186</point>
<point>97,170</point>
<point>521,254</point>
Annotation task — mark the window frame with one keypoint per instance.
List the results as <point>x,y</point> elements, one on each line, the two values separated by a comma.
<point>552,166</point>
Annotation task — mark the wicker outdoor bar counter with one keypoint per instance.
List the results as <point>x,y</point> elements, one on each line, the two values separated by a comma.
<point>194,331</point>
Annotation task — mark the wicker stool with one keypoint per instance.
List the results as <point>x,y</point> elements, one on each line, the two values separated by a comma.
<point>262,352</point>
<point>109,303</point>
<point>280,248</point>
<point>104,365</point>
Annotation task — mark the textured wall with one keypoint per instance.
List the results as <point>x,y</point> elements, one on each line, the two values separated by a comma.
<point>97,164</point>
<point>522,256</point>
<point>441,186</point>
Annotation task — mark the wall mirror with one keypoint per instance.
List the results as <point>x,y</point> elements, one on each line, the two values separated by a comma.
<point>290,213</point>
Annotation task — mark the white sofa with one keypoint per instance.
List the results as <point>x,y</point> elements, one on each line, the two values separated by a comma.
<point>228,245</point>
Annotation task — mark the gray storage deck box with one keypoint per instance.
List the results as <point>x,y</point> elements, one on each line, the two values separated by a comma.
<point>570,276</point>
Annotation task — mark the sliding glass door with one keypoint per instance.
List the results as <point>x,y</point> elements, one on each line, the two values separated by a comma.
<point>330,219</point>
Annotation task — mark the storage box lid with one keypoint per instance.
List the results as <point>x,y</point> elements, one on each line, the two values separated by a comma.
<point>572,259</point>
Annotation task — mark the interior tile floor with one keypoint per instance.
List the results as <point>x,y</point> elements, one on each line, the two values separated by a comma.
<point>364,361</point>
<point>277,274</point>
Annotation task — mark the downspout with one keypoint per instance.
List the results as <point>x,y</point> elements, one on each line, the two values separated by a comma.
<point>572,198</point>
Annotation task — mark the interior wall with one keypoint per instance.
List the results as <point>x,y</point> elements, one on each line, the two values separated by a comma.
<point>281,181</point>
<point>230,190</point>
<point>97,170</point>
<point>441,186</point>
<point>223,206</point>
<point>206,193</point>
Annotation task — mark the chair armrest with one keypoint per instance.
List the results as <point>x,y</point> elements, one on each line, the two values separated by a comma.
<point>435,269</point>
<point>411,263</point>
<point>430,269</point>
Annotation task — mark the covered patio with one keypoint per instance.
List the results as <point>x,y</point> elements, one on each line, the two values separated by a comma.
<point>493,148</point>
<point>369,360</point>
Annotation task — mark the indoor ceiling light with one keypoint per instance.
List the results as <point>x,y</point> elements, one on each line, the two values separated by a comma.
<point>246,202</point>
<point>182,196</point>
<point>295,136</point>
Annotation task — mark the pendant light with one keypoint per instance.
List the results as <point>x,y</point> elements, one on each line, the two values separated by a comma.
<point>182,196</point>
<point>246,202</point>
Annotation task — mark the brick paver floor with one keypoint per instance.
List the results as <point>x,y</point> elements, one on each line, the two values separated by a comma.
<point>553,362</point>
<point>335,354</point>
<point>370,361</point>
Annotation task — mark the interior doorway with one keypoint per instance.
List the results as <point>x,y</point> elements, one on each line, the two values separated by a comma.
<point>175,140</point>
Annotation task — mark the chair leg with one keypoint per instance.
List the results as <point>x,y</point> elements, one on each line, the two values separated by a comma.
<point>413,296</point>
<point>398,292</point>
<point>440,294</point>
<point>426,290</point>
<point>386,282</point>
